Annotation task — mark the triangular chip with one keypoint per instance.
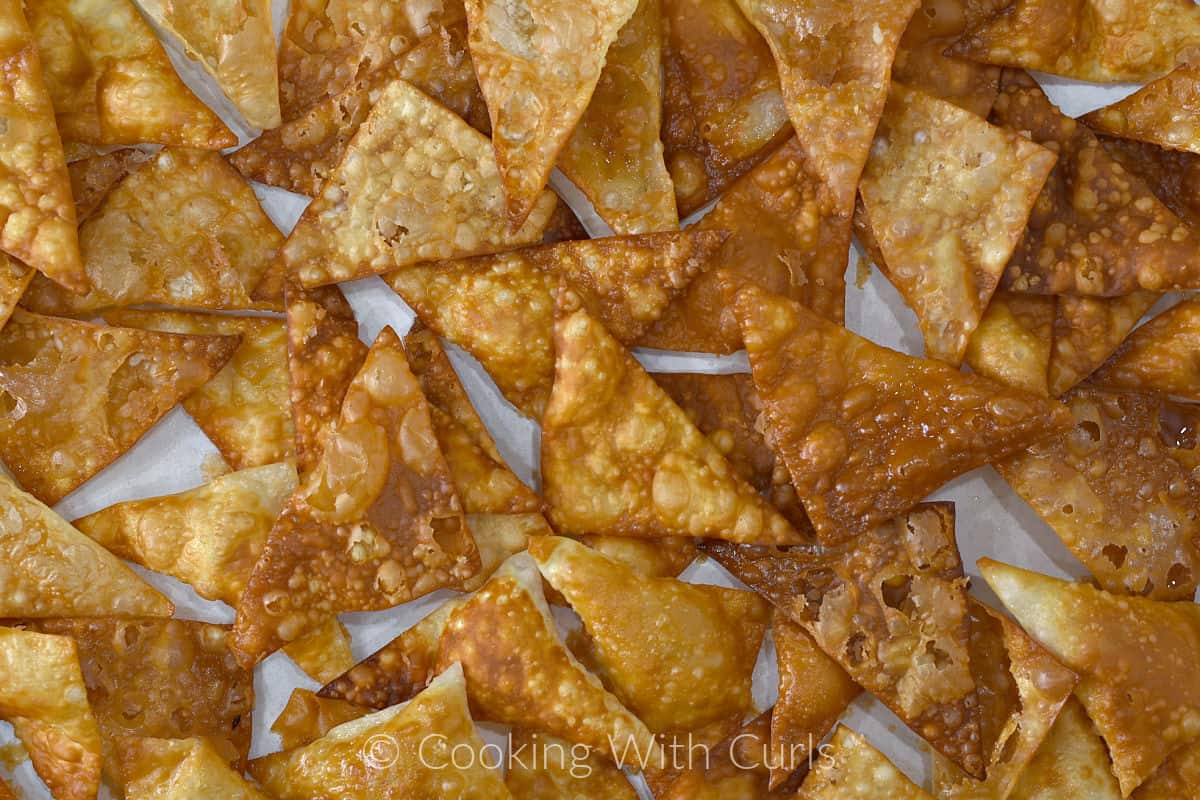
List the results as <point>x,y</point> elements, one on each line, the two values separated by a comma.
<point>244,408</point>
<point>111,81</point>
<point>922,62</point>
<point>235,42</point>
<point>1136,658</point>
<point>737,767</point>
<point>403,751</point>
<point>867,432</point>
<point>542,767</point>
<point>374,525</point>
<point>1087,330</point>
<point>538,65</point>
<point>1177,779</point>
<point>1096,228</point>
<point>664,557</point>
<point>324,652</point>
<point>948,196</point>
<point>1091,40</point>
<point>307,717</point>
<point>785,234</point>
<point>1071,762</point>
<point>500,308</point>
<point>620,458</point>
<point>1173,175</point>
<point>122,381</point>
<point>853,770</point>
<point>645,633</point>
<point>519,672</point>
<point>1013,342</point>
<point>1118,496</point>
<point>615,155</point>
<point>1164,112</point>
<point>43,696</point>
<point>14,280</point>
<point>179,769</point>
<point>498,536</point>
<point>37,215</point>
<point>1162,356</point>
<point>94,177</point>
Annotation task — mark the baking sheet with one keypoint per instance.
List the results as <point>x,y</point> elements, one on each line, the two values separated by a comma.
<point>172,457</point>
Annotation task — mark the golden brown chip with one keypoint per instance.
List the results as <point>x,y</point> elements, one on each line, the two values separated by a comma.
<point>179,769</point>
<point>1177,779</point>
<point>1161,357</point>
<point>1072,762</point>
<point>94,177</point>
<point>722,106</point>
<point>1013,342</point>
<point>664,557</point>
<point>1136,658</point>
<point>5,792</point>
<point>1173,175</point>
<point>42,695</point>
<point>498,536</point>
<point>1092,40</point>
<point>855,770</point>
<point>307,717</point>
<point>324,652</point>
<point>785,235</point>
<point>620,458</point>
<point>947,196</point>
<point>563,226</point>
<point>374,525</point>
<point>122,381</point>
<point>615,155</point>
<point>235,42</point>
<point>542,767</point>
<point>428,749</point>
<point>14,280</point>
<point>1087,330</point>
<point>1096,229</point>
<point>111,81</point>
<point>415,184</point>
<point>244,408</point>
<point>500,308</point>
<point>37,216</point>
<point>867,432</point>
<point>183,229</point>
<point>921,59</point>
<point>1163,112</point>
<point>891,608</point>
<point>737,767</point>
<point>645,634</point>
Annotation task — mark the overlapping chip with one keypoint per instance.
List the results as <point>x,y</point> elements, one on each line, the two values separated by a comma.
<point>307,717</point>
<point>124,380</point>
<point>857,771</point>
<point>1163,112</point>
<point>111,82</point>
<point>1178,776</point>
<point>947,196</point>
<point>1136,659</point>
<point>1173,175</point>
<point>869,432</point>
<point>323,653</point>
<point>737,767</point>
<point>922,62</point>
<point>1071,762</point>
<point>14,279</point>
<point>94,177</point>
<point>542,767</point>
<point>1013,342</point>
<point>1162,356</point>
<point>183,229</point>
<point>1087,330</point>
<point>500,308</point>
<point>179,769</point>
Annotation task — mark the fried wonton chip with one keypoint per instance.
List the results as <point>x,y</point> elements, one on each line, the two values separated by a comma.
<point>855,770</point>
<point>563,226</point>
<point>324,652</point>
<point>813,692</point>
<point>94,177</point>
<point>948,196</point>
<point>302,154</point>
<point>519,672</point>
<point>111,81</point>
<point>14,280</point>
<point>1122,499</point>
<point>1136,658</point>
<point>37,216</point>
<point>1163,112</point>
<point>5,792</point>
<point>307,717</point>
<point>542,767</point>
<point>1091,40</point>
<point>1177,779</point>
<point>498,536</point>
<point>402,751</point>
<point>500,308</point>
<point>244,408</point>
<point>615,155</point>
<point>375,524</point>
<point>737,767</point>
<point>922,62</point>
<point>42,695</point>
<point>234,40</point>
<point>183,229</point>
<point>664,557</point>
<point>620,458</point>
<point>785,234</point>
<point>122,380</point>
<point>179,769</point>
<point>1072,762</point>
<point>867,432</point>
<point>1087,330</point>
<point>415,184</point>
<point>890,607</point>
<point>1013,342</point>
<point>644,634</point>
<point>1173,175</point>
<point>1096,228</point>
<point>1162,356</point>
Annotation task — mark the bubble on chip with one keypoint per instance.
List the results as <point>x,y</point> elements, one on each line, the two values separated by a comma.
<point>179,769</point>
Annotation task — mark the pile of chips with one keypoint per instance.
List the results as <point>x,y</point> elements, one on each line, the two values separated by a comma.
<point>138,271</point>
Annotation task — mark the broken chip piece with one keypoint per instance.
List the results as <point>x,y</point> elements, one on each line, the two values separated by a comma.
<point>543,767</point>
<point>324,652</point>
<point>1072,762</point>
<point>872,431</point>
<point>922,62</point>
<point>1136,659</point>
<point>179,769</point>
<point>1013,342</point>
<point>1163,112</point>
<point>1160,357</point>
<point>855,770</point>
<point>307,717</point>
<point>124,380</point>
<point>1087,330</point>
<point>947,196</point>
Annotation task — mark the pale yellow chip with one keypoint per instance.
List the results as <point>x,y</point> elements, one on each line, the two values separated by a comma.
<point>324,652</point>
<point>42,695</point>
<point>855,770</point>
<point>416,183</point>
<point>92,178</point>
<point>183,229</point>
<point>402,751</point>
<point>1136,658</point>
<point>1087,330</point>
<point>37,215</point>
<point>615,155</point>
<point>235,42</point>
<point>1161,357</point>
<point>921,59</point>
<point>1013,342</point>
<point>307,717</point>
<point>179,769</point>
<point>498,536</point>
<point>111,81</point>
<point>543,767</point>
<point>1071,763</point>
<point>244,408</point>
<point>1178,775</point>
<point>948,196</point>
